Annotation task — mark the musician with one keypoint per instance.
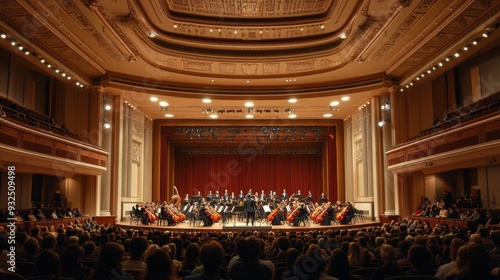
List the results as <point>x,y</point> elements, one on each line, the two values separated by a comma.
<point>186,200</point>
<point>233,197</point>
<point>309,197</point>
<point>299,195</point>
<point>284,195</point>
<point>241,196</point>
<point>207,221</point>
<point>225,204</point>
<point>209,196</point>
<point>280,216</point>
<point>329,216</point>
<point>140,212</point>
<point>262,196</point>
<point>250,192</point>
<point>216,197</point>
<point>226,194</point>
<point>164,215</point>
<point>301,216</point>
<point>270,197</point>
<point>349,213</point>
<point>249,206</point>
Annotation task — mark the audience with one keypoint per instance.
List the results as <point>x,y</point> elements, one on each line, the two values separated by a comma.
<point>87,250</point>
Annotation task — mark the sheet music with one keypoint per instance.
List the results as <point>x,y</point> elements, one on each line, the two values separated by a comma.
<point>266,208</point>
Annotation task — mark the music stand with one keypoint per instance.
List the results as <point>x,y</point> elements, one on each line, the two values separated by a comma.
<point>195,198</point>
<point>266,208</point>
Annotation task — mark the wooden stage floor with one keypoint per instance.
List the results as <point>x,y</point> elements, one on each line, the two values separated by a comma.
<point>188,226</point>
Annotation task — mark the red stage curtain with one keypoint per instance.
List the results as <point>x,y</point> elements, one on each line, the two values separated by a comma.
<point>235,172</point>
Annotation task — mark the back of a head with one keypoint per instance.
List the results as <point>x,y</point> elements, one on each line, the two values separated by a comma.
<point>211,256</point>
<point>339,264</point>
<point>478,261</point>
<point>248,249</point>
<point>72,255</point>
<point>159,264</point>
<point>283,243</point>
<point>138,246</point>
<point>109,260</point>
<point>31,246</point>
<point>291,255</point>
<point>48,264</point>
<point>387,253</point>
<point>419,256</point>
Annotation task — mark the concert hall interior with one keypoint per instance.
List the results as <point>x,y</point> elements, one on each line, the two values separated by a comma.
<point>145,112</point>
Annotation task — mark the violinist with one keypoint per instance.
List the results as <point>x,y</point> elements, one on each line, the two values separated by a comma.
<point>216,197</point>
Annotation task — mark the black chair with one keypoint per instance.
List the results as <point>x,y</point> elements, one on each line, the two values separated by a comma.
<point>134,217</point>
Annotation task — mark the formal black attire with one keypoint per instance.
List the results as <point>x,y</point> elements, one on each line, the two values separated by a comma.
<point>249,205</point>
<point>207,221</point>
<point>300,217</point>
<point>284,196</point>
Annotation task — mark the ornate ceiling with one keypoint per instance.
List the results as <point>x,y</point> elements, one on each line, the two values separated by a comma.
<point>265,51</point>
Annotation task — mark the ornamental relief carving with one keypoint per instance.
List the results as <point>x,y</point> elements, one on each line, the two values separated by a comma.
<point>255,8</point>
<point>359,151</point>
<point>197,65</point>
<point>300,66</point>
<point>137,124</point>
<point>227,68</point>
<point>136,152</point>
<point>270,68</point>
<point>249,68</point>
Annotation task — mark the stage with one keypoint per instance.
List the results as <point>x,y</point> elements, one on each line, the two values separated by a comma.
<point>188,226</point>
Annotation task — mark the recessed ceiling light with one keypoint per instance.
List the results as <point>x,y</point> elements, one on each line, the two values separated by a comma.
<point>345,98</point>
<point>207,100</point>
<point>292,100</point>
<point>107,107</point>
<point>334,103</point>
<point>292,116</point>
<point>213,116</point>
<point>327,115</point>
<point>169,115</point>
<point>163,104</point>
<point>248,104</point>
<point>249,116</point>
<point>153,98</point>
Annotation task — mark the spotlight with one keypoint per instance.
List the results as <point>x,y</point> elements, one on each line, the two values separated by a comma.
<point>107,107</point>
<point>381,123</point>
<point>106,124</point>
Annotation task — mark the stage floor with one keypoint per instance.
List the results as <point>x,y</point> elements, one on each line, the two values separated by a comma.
<point>241,226</point>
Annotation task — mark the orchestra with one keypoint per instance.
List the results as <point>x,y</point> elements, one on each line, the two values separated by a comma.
<point>213,208</point>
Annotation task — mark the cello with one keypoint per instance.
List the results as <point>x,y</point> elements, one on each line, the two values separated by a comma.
<point>340,216</point>
<point>273,214</point>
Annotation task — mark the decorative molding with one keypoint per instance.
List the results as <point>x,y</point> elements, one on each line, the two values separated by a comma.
<point>72,10</point>
<point>136,152</point>
<point>197,65</point>
<point>227,68</point>
<point>359,151</point>
<point>300,66</point>
<point>249,68</point>
<point>249,8</point>
<point>137,124</point>
<point>270,68</point>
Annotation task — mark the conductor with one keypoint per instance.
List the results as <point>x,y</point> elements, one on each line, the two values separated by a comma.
<point>249,205</point>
